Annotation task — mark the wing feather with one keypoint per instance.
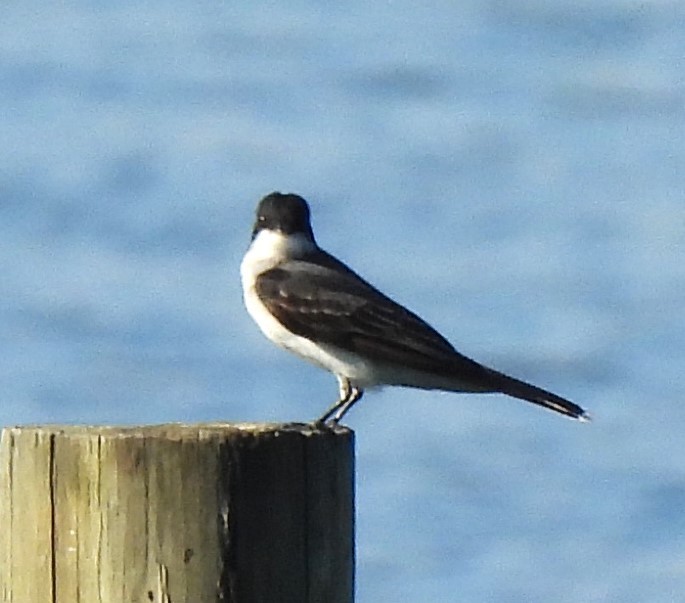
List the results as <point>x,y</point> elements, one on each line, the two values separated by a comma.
<point>322,299</point>
<point>337,307</point>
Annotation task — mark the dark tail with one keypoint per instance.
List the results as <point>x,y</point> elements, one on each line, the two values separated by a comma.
<point>531,393</point>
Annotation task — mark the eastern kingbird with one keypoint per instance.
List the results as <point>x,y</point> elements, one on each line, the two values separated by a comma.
<point>306,301</point>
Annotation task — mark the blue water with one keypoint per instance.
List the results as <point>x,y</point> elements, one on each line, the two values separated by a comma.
<point>513,171</point>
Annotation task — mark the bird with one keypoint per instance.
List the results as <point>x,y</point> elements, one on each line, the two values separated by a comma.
<point>310,303</point>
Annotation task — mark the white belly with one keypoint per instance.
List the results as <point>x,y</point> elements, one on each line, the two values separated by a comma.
<point>264,255</point>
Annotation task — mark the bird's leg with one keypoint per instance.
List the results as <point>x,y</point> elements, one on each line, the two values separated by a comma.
<point>355,395</point>
<point>348,396</point>
<point>345,391</point>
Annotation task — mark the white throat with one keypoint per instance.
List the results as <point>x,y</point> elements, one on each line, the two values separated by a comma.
<point>271,248</point>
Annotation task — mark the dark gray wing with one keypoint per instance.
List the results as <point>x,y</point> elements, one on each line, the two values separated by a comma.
<point>323,299</point>
<point>328,302</point>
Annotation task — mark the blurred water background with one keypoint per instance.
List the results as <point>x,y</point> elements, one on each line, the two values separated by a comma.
<point>511,170</point>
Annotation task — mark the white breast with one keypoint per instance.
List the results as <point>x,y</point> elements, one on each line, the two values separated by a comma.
<point>268,250</point>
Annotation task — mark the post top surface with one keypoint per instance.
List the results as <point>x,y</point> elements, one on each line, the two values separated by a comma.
<point>177,430</point>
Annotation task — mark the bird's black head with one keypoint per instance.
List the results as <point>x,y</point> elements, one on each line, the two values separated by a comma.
<point>288,214</point>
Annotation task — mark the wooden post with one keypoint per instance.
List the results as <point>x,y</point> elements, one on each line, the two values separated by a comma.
<point>177,514</point>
